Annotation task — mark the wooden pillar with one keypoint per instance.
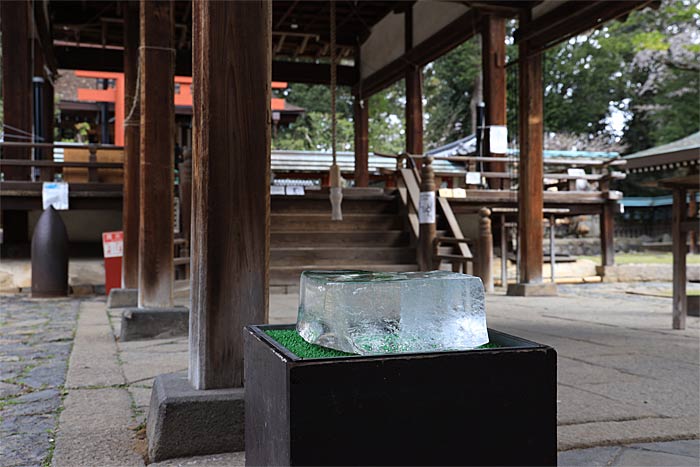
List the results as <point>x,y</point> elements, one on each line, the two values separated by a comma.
<point>426,216</point>
<point>493,54</point>
<point>132,154</point>
<point>361,123</point>
<point>679,239</point>
<point>530,197</point>
<point>17,66</point>
<point>157,159</point>
<point>230,185</point>
<point>485,249</point>
<point>607,244</point>
<point>414,96</point>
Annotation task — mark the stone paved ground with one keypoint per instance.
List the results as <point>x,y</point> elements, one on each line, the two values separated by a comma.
<point>36,337</point>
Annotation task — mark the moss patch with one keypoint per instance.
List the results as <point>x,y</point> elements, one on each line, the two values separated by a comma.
<point>290,339</point>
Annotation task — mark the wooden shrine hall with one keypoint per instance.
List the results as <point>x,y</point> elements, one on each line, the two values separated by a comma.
<point>227,47</point>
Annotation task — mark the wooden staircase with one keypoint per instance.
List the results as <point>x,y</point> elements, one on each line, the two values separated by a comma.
<point>373,235</point>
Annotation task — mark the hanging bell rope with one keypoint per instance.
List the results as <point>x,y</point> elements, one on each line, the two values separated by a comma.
<point>335,178</point>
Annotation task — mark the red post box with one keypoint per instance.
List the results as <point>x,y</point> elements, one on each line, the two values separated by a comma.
<point>113,247</point>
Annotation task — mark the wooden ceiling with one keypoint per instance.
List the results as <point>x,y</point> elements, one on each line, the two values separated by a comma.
<point>300,28</point>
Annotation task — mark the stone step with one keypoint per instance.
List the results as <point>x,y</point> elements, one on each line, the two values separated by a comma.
<point>330,256</point>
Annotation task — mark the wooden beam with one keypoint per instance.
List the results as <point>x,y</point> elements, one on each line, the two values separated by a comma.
<point>132,151</point>
<point>531,129</point>
<point>361,124</point>
<point>16,83</point>
<point>157,165</point>
<point>231,179</point>
<point>679,241</point>
<point>493,54</point>
<point>81,58</point>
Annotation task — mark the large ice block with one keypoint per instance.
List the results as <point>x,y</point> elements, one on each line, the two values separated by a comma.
<point>379,313</point>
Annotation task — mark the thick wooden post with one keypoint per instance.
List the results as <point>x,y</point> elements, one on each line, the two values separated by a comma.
<point>530,198</point>
<point>679,239</point>
<point>426,216</point>
<point>132,153</point>
<point>493,53</point>
<point>361,123</point>
<point>230,186</point>
<point>16,84</point>
<point>414,96</point>
<point>157,157</point>
<point>607,244</point>
<point>485,249</point>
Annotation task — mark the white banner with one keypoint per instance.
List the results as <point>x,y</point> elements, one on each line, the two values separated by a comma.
<point>426,207</point>
<point>55,194</point>
<point>473,178</point>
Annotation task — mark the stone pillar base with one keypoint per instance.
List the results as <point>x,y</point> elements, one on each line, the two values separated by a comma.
<point>542,289</point>
<point>151,323</point>
<point>123,298</point>
<point>184,422</point>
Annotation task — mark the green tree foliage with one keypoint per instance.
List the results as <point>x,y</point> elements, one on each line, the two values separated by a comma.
<point>448,87</point>
<point>644,71</point>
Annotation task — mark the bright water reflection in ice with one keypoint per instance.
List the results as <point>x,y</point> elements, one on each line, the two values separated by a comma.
<point>378,313</point>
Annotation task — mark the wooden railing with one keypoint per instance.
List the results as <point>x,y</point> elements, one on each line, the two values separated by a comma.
<point>50,167</point>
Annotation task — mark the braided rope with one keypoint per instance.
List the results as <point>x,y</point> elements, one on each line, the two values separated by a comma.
<point>333,81</point>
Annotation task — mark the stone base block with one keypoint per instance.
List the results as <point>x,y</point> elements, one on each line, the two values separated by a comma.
<point>542,289</point>
<point>123,298</point>
<point>150,323</point>
<point>184,422</point>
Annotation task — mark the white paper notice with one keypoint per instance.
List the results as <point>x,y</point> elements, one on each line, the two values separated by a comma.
<point>113,244</point>
<point>426,207</point>
<point>473,178</point>
<point>55,194</point>
<point>498,139</point>
<point>276,190</point>
<point>295,190</point>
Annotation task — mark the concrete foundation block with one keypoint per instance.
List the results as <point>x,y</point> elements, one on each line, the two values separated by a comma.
<point>123,298</point>
<point>184,422</point>
<point>542,289</point>
<point>150,323</point>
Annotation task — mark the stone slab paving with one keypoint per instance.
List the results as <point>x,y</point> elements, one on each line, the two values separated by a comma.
<point>98,424</point>
<point>628,385</point>
<point>35,343</point>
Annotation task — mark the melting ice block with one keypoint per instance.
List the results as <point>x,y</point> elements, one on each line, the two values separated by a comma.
<point>378,313</point>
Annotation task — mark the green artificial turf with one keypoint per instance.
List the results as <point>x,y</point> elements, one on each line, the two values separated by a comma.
<point>290,339</point>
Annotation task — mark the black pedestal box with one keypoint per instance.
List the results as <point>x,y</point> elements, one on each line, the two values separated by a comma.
<point>479,407</point>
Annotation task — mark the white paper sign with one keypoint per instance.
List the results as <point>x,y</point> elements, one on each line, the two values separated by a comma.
<point>295,190</point>
<point>498,139</point>
<point>276,190</point>
<point>113,244</point>
<point>426,207</point>
<point>55,194</point>
<point>473,178</point>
